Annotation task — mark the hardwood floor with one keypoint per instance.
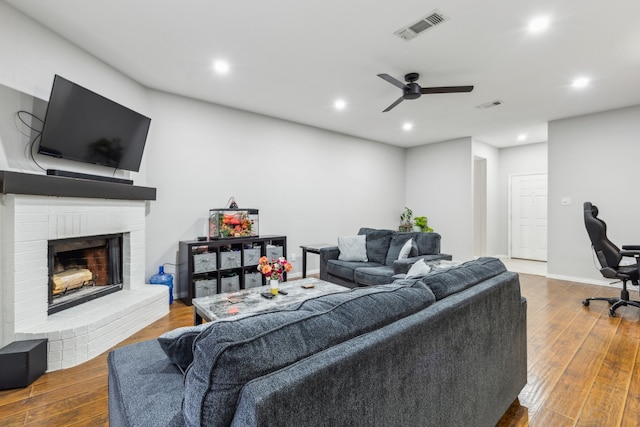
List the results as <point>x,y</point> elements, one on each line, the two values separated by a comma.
<point>584,367</point>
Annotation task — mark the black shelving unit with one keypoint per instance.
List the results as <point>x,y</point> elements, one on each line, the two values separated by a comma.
<point>224,265</point>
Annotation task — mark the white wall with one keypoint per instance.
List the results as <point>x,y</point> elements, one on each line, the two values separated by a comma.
<point>309,184</point>
<point>439,186</point>
<point>592,158</point>
<point>519,160</point>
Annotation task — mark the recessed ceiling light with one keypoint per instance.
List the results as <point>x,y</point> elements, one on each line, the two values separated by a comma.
<point>539,24</point>
<point>221,66</point>
<point>407,126</point>
<point>580,82</point>
<point>522,137</point>
<point>339,104</point>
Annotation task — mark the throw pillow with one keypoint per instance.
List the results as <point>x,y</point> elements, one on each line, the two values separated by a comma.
<point>409,249</point>
<point>352,248</point>
<point>418,269</point>
<point>177,344</point>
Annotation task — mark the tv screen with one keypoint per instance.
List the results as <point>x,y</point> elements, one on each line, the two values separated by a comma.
<point>84,126</point>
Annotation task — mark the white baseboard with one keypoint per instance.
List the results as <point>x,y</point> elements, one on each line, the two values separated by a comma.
<point>615,284</point>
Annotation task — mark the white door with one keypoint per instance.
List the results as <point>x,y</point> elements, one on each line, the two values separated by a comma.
<point>529,217</point>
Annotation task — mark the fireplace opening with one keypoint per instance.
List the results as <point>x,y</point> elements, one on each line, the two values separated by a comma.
<point>83,269</point>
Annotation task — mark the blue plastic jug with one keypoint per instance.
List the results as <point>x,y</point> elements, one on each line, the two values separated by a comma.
<point>162,278</point>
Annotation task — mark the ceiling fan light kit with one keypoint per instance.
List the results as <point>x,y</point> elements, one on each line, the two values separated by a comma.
<point>412,90</point>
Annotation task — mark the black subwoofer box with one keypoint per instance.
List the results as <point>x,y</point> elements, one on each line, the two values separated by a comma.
<point>22,362</point>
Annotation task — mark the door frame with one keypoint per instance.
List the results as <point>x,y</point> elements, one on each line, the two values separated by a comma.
<point>510,210</point>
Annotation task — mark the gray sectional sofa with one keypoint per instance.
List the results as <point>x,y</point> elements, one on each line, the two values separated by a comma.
<point>383,248</point>
<point>448,348</point>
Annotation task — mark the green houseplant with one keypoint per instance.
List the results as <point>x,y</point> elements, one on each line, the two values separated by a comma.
<point>421,221</point>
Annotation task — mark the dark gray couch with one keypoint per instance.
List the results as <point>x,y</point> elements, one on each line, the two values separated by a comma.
<point>445,349</point>
<point>383,248</point>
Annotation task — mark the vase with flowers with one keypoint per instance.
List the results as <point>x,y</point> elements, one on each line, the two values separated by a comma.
<point>273,270</point>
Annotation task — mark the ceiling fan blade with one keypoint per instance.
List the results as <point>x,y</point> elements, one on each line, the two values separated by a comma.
<point>446,89</point>
<point>398,101</point>
<point>392,80</point>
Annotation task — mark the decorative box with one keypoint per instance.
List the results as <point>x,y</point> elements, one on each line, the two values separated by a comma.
<point>230,284</point>
<point>274,252</point>
<point>205,288</point>
<point>251,256</point>
<point>230,259</point>
<point>204,262</point>
<point>252,280</point>
<point>227,223</point>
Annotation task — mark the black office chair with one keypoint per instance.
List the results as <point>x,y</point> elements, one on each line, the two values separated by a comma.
<point>609,256</point>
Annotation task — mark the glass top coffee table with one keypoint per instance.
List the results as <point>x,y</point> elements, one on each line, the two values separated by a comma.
<point>222,306</point>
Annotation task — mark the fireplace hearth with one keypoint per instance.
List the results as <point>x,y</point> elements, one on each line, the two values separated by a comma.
<point>82,269</point>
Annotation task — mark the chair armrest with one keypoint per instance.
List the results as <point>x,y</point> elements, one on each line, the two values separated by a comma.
<point>630,253</point>
<point>631,247</point>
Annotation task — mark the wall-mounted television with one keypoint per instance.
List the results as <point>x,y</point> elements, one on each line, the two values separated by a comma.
<point>83,126</point>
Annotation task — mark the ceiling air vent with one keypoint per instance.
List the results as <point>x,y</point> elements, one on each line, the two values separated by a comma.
<point>428,22</point>
<point>489,104</point>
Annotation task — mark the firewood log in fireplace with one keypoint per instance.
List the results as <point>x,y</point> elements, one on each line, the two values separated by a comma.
<point>71,279</point>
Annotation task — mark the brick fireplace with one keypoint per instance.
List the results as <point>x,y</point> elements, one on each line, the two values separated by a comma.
<point>32,216</point>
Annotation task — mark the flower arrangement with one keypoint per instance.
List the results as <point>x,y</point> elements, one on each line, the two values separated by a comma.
<point>274,269</point>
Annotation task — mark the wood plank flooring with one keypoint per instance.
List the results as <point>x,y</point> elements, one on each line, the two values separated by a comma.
<point>584,367</point>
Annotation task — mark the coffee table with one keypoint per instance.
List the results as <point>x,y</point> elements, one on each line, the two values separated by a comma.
<point>224,305</point>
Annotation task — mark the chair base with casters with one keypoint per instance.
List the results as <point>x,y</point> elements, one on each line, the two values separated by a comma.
<point>614,303</point>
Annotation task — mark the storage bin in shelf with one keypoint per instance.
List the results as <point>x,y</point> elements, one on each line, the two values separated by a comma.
<point>205,287</point>
<point>252,280</point>
<point>274,252</point>
<point>251,256</point>
<point>230,259</point>
<point>204,262</point>
<point>230,284</point>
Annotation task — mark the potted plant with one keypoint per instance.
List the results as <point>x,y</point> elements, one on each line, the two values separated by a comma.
<point>405,220</point>
<point>421,223</point>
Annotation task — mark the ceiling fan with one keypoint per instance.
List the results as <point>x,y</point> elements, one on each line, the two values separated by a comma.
<point>412,90</point>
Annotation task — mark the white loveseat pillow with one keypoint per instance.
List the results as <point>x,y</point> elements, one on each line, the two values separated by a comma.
<point>353,248</point>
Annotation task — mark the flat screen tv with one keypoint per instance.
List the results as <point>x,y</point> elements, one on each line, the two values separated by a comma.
<point>84,126</point>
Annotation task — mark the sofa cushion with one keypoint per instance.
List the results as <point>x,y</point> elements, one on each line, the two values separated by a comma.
<point>177,344</point>
<point>352,248</point>
<point>377,243</point>
<point>142,379</point>
<point>229,354</point>
<point>456,279</point>
<point>395,246</point>
<point>428,243</point>
<point>372,276</point>
<point>346,269</point>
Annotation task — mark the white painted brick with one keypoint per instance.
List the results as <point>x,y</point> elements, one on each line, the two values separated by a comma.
<point>54,356</point>
<point>55,345</point>
<point>80,333</point>
<point>54,366</point>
